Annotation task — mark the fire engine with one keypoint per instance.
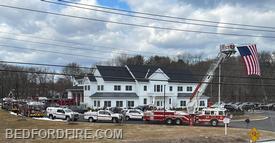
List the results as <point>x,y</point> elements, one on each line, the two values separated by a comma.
<point>33,109</point>
<point>193,116</point>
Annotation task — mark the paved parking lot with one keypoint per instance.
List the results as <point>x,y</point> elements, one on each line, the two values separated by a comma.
<point>267,124</point>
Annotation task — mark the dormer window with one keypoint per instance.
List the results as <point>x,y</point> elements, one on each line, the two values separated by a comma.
<point>117,87</point>
<point>128,88</point>
<point>180,88</point>
<point>189,88</point>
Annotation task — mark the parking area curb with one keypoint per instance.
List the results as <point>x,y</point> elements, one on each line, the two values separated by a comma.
<point>259,119</point>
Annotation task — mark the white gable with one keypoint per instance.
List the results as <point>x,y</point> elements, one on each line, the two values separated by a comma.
<point>159,75</point>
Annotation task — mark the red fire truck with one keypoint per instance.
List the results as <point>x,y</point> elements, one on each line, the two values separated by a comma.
<point>212,116</point>
<point>208,116</point>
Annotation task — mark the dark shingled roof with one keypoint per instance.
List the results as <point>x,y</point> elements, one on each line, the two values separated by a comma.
<point>76,88</point>
<point>175,75</point>
<point>112,73</point>
<point>114,95</point>
<point>79,77</point>
<point>91,77</point>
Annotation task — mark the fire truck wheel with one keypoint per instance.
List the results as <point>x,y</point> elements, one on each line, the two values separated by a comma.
<point>178,121</point>
<point>169,121</point>
<point>214,122</point>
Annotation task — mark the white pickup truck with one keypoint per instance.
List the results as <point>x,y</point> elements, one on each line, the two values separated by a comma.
<point>62,113</point>
<point>102,115</point>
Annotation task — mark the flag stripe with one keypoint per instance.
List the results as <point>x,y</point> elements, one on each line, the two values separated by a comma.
<point>251,60</point>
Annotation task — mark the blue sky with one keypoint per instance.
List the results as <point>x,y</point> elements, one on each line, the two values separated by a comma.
<point>115,39</point>
<point>114,3</point>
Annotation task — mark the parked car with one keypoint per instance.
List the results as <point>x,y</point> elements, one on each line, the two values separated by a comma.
<point>231,108</point>
<point>246,106</point>
<point>144,108</point>
<point>258,105</point>
<point>78,109</point>
<point>115,109</point>
<point>135,114</point>
<point>62,113</point>
<point>102,115</point>
<point>269,106</point>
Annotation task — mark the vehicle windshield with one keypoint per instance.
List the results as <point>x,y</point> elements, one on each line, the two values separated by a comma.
<point>68,110</point>
<point>111,112</point>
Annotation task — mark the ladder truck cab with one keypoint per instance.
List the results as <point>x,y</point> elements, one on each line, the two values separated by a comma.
<point>212,116</point>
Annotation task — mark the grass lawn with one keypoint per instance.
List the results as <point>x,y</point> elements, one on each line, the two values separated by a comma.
<point>131,133</point>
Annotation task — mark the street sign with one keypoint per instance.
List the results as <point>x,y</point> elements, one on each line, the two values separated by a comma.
<point>254,135</point>
<point>226,121</point>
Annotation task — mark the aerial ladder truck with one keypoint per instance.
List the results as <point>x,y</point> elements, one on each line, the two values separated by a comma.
<point>212,116</point>
<point>225,52</point>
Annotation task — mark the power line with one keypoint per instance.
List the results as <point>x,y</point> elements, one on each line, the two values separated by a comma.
<point>80,44</point>
<point>157,19</point>
<point>54,52</point>
<point>166,16</point>
<point>138,25</point>
<point>71,47</point>
<point>117,77</point>
<point>138,71</point>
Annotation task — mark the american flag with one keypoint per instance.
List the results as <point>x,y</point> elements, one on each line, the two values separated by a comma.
<point>250,57</point>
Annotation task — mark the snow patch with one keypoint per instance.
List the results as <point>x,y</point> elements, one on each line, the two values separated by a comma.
<point>48,119</point>
<point>12,113</point>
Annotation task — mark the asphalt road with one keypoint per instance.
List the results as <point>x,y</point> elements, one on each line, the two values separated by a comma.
<point>267,124</point>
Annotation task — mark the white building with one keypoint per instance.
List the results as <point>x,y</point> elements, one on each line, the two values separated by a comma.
<point>130,86</point>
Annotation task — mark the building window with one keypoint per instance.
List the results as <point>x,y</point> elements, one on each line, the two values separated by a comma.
<point>89,87</point>
<point>171,88</point>
<point>158,88</point>
<point>94,103</point>
<point>117,87</point>
<point>202,103</point>
<point>145,88</point>
<point>182,103</point>
<point>107,103</point>
<point>158,103</point>
<point>85,87</point>
<point>119,103</point>
<point>131,103</point>
<point>100,87</point>
<point>189,88</point>
<point>180,88</point>
<point>170,101</point>
<point>145,101</point>
<point>128,88</point>
<point>98,103</point>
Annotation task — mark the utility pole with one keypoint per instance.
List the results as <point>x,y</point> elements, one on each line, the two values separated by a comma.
<point>219,94</point>
<point>164,97</point>
<point>164,100</point>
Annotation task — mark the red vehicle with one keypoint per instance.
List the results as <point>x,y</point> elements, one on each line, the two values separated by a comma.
<point>33,109</point>
<point>208,116</point>
<point>212,116</point>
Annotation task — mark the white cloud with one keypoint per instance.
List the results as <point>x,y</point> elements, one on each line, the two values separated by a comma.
<point>143,40</point>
